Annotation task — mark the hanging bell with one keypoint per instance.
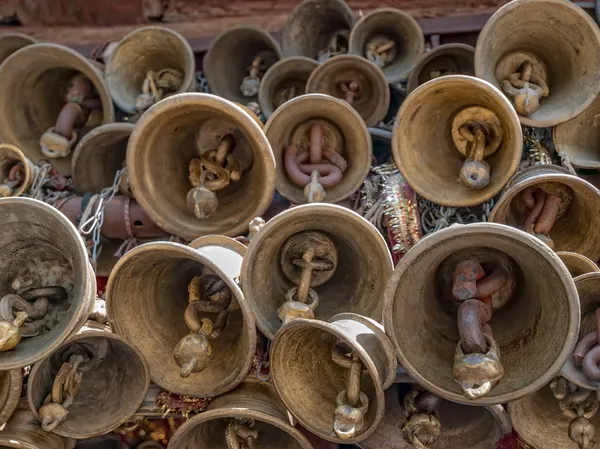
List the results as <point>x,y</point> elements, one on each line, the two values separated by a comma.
<point>238,60</point>
<point>12,42</point>
<point>11,384</point>
<point>198,341</point>
<point>318,134</point>
<point>457,141</point>
<point>543,55</point>
<point>577,264</point>
<point>447,59</point>
<point>215,160</point>
<point>315,260</point>
<point>504,305</point>
<point>17,172</point>
<point>552,204</point>
<point>391,39</point>
<point>149,64</point>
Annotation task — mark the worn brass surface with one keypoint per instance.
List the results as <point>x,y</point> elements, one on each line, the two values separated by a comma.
<point>164,142</point>
<point>423,148</point>
<point>31,96</point>
<point>9,154</point>
<point>11,384</point>
<point>12,42</point>
<point>577,264</point>
<point>536,329</point>
<point>560,35</point>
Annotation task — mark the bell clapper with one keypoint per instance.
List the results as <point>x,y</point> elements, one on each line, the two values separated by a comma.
<point>241,434</point>
<point>13,178</point>
<point>158,85</point>
<point>256,71</point>
<point>351,91</point>
<point>526,88</point>
<point>422,427</point>
<point>381,51</point>
<point>587,352</point>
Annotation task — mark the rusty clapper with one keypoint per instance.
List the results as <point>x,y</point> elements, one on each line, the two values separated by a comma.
<point>17,172</point>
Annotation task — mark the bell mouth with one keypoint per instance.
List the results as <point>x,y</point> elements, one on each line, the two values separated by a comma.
<point>577,264</point>
<point>12,42</point>
<point>10,156</point>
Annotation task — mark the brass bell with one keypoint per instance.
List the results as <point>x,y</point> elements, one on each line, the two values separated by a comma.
<point>552,204</point>
<point>147,65</point>
<point>216,162</point>
<point>252,412</point>
<point>12,42</point>
<point>318,29</point>
<point>17,172</point>
<point>285,80</point>
<point>356,80</point>
<point>319,123</point>
<point>11,384</point>
<point>447,59</point>
<point>237,61</point>
<point>89,386</point>
<point>577,264</point>
<point>543,55</point>
<point>492,296</point>
<point>343,400</point>
<point>457,141</point>
<point>62,93</point>
<point>46,296</point>
<point>319,256</point>
<point>391,39</point>
<point>175,293</point>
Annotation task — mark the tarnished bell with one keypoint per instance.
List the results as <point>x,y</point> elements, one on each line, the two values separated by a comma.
<point>559,208</point>
<point>216,163</point>
<point>543,54</point>
<point>185,312</point>
<point>46,90</point>
<point>47,283</point>
<point>457,141</point>
<point>147,65</point>
<point>16,171</point>
<point>435,306</point>
<point>12,42</point>
<point>11,384</point>
<point>342,401</point>
<point>250,416</point>
<point>315,260</point>
<point>577,264</point>
<point>391,39</point>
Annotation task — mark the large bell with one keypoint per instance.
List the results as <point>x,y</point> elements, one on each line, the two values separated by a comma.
<point>457,141</point>
<point>323,124</point>
<point>253,411</point>
<point>559,208</point>
<point>185,312</point>
<point>47,283</point>
<point>11,42</point>
<point>149,64</point>
<point>11,384</point>
<point>577,264</point>
<point>391,39</point>
<point>458,352</point>
<point>342,401</point>
<point>188,131</point>
<point>329,254</point>
<point>17,172</point>
<point>543,55</point>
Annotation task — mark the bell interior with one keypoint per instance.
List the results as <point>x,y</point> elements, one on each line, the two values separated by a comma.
<point>397,97</point>
<point>291,73</point>
<point>11,43</point>
<point>467,426</point>
<point>461,57</point>
<point>588,289</point>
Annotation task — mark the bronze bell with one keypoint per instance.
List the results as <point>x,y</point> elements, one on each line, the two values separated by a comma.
<point>577,264</point>
<point>391,39</point>
<point>238,60</point>
<point>314,123</point>
<point>48,284</point>
<point>11,384</point>
<point>357,81</point>
<point>447,59</point>
<point>149,64</point>
<point>457,141</point>
<point>12,42</point>
<point>318,256</point>
<point>286,79</point>
<point>252,412</point>
<point>504,305</point>
<point>543,55</point>
<point>186,137</point>
<point>17,172</point>
<point>552,204</point>
<point>318,29</point>
<point>342,401</point>
<point>185,312</point>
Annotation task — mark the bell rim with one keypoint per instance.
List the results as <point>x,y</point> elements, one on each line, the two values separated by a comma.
<point>27,166</point>
<point>219,240</point>
<point>562,146</point>
<point>14,395</point>
<point>580,257</point>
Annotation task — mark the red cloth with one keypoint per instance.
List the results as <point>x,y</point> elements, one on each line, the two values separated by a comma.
<point>508,442</point>
<point>101,285</point>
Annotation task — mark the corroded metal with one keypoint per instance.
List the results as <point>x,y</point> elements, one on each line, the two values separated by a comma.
<point>11,42</point>
<point>17,172</point>
<point>577,264</point>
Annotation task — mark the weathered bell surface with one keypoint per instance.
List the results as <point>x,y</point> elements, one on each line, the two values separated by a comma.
<point>344,401</point>
<point>391,39</point>
<point>317,123</point>
<point>11,384</point>
<point>286,79</point>
<point>543,55</point>
<point>457,141</point>
<point>481,313</point>
<point>179,136</point>
<point>11,42</point>
<point>348,266</point>
<point>397,97</point>
<point>356,80</point>
<point>577,264</point>
<point>160,294</point>
<point>559,208</point>
<point>16,171</point>
<point>253,411</point>
<point>48,286</point>
<point>238,60</point>
<point>149,64</point>
<point>447,59</point>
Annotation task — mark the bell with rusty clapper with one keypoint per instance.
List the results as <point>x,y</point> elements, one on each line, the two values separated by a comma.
<point>17,172</point>
<point>12,42</point>
<point>543,55</point>
<point>505,306</point>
